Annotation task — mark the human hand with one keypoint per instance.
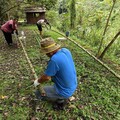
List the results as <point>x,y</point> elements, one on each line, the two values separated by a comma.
<point>16,32</point>
<point>12,32</point>
<point>36,83</point>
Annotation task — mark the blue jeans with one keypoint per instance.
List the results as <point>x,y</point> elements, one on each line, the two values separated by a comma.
<point>51,94</point>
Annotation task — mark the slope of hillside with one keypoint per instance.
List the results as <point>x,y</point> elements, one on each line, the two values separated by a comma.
<point>97,95</point>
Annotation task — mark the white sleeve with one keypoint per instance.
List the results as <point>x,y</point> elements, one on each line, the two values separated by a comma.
<point>40,21</point>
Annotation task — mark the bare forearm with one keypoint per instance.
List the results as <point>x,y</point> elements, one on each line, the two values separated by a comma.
<point>44,78</point>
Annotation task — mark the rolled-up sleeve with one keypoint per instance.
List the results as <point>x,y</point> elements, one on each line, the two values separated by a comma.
<point>52,68</point>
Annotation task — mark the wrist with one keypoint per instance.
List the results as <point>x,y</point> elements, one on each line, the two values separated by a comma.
<point>38,80</point>
<point>36,83</point>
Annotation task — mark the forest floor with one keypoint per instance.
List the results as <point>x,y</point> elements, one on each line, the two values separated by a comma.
<point>97,96</point>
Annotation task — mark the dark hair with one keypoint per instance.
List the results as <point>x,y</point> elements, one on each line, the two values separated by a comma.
<point>46,21</point>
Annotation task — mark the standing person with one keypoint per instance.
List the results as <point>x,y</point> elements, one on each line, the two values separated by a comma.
<point>8,29</point>
<point>61,70</point>
<point>40,23</point>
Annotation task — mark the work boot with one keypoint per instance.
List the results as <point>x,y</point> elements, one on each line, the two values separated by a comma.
<point>13,45</point>
<point>10,44</point>
<point>38,95</point>
<point>60,104</point>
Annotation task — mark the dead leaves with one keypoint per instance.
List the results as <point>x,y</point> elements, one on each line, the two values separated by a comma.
<point>3,97</point>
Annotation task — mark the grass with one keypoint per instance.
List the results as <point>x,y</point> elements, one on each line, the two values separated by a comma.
<point>97,95</point>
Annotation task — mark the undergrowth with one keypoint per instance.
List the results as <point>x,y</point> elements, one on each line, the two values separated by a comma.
<point>97,95</point>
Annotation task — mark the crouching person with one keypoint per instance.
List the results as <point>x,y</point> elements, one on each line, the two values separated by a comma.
<point>61,70</point>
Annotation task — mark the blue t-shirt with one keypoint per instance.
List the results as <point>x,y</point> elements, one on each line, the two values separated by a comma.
<point>61,67</point>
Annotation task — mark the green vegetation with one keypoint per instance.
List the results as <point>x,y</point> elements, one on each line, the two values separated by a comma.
<point>97,95</point>
<point>98,92</point>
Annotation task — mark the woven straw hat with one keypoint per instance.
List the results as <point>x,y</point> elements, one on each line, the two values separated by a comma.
<point>48,45</point>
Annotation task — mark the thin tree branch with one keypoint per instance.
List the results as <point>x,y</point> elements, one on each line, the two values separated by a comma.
<point>101,42</point>
<point>104,51</point>
<point>11,8</point>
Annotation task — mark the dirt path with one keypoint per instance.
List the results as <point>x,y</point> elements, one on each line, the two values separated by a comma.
<point>10,58</point>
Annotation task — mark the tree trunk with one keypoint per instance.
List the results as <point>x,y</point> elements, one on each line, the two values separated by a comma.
<point>72,14</point>
<point>101,42</point>
<point>105,50</point>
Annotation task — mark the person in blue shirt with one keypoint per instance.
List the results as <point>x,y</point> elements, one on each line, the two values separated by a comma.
<point>61,70</point>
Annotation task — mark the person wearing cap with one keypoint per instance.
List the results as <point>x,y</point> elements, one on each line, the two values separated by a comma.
<point>61,70</point>
<point>40,23</point>
<point>8,29</point>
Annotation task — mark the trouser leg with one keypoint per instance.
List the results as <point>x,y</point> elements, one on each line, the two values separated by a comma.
<point>50,94</point>
<point>39,28</point>
<point>41,33</point>
<point>8,37</point>
<point>59,102</point>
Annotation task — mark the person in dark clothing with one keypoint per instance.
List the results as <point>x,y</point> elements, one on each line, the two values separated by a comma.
<point>8,29</point>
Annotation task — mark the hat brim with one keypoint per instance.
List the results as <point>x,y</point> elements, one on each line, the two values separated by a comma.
<point>48,50</point>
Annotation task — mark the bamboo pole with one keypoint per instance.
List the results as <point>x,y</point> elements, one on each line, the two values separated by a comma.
<point>31,66</point>
<point>108,46</point>
<point>106,26</point>
<point>103,64</point>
